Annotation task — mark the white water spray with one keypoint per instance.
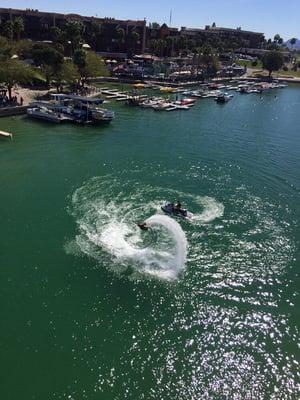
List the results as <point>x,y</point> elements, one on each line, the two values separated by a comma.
<point>164,258</point>
<point>108,230</point>
<point>177,262</point>
<point>159,252</point>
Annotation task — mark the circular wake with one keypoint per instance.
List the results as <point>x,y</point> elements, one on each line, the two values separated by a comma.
<point>175,234</point>
<point>164,256</point>
<point>108,232</point>
<point>107,211</point>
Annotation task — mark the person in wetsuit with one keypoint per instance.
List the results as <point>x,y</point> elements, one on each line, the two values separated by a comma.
<point>143,226</point>
<point>177,207</point>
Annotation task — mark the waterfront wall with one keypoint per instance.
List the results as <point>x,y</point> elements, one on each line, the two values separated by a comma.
<point>10,111</point>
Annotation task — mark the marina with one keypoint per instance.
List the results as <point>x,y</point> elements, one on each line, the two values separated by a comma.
<point>71,108</point>
<point>176,99</point>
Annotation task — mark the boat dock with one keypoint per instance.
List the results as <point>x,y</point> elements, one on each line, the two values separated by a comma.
<point>70,108</point>
<point>11,111</point>
<point>179,98</point>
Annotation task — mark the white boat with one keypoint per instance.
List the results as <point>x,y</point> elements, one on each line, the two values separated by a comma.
<point>149,103</point>
<point>122,98</point>
<point>109,92</point>
<point>253,91</point>
<point>223,98</point>
<point>45,114</point>
<point>101,115</point>
<point>211,94</point>
<point>172,107</point>
<point>5,134</point>
<point>182,107</point>
<point>161,106</point>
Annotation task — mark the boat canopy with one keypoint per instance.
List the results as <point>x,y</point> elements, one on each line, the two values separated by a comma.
<point>82,99</point>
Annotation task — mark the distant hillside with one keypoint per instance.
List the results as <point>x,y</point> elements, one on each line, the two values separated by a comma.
<point>296,46</point>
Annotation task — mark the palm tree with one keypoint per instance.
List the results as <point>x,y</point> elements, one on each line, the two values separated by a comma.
<point>161,45</point>
<point>170,42</point>
<point>18,27</point>
<point>153,46</point>
<point>121,36</point>
<point>135,37</point>
<point>92,34</point>
<point>293,42</point>
<point>182,43</point>
<point>276,38</point>
<point>74,32</point>
<point>8,30</point>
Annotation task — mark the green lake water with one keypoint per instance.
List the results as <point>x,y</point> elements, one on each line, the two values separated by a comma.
<point>93,308</point>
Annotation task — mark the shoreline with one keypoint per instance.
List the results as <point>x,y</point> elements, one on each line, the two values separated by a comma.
<point>101,79</point>
<point>30,95</point>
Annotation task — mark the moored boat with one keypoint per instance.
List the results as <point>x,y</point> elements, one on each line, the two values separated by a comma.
<point>71,108</point>
<point>223,98</point>
<point>45,114</point>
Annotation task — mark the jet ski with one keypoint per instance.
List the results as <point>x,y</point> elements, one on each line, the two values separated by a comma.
<point>169,208</point>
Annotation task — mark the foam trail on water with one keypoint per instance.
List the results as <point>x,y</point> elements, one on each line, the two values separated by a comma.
<point>159,252</point>
<point>177,262</point>
<point>164,259</point>
<point>211,210</point>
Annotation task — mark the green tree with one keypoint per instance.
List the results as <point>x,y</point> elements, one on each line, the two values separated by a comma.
<point>6,49</point>
<point>121,37</point>
<point>93,33</point>
<point>18,27</point>
<point>89,65</point>
<point>277,38</point>
<point>153,46</point>
<point>135,37</point>
<point>191,44</point>
<point>58,35</point>
<point>154,25</point>
<point>13,72</point>
<point>272,61</point>
<point>80,60</point>
<point>182,43</point>
<point>293,42</point>
<point>48,58</point>
<point>8,30</point>
<point>272,46</point>
<point>66,74</point>
<point>161,45</point>
<point>74,33</point>
<point>170,43</point>
<point>23,48</point>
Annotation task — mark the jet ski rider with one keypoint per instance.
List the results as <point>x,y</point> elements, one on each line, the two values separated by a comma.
<point>177,206</point>
<point>143,226</point>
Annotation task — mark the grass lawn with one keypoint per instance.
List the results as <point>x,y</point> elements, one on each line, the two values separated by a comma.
<point>294,74</point>
<point>248,64</point>
<point>278,74</point>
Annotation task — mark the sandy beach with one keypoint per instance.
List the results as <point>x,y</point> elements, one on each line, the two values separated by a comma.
<point>28,95</point>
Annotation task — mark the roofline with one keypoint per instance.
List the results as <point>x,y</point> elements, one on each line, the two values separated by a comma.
<point>218,29</point>
<point>66,16</point>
